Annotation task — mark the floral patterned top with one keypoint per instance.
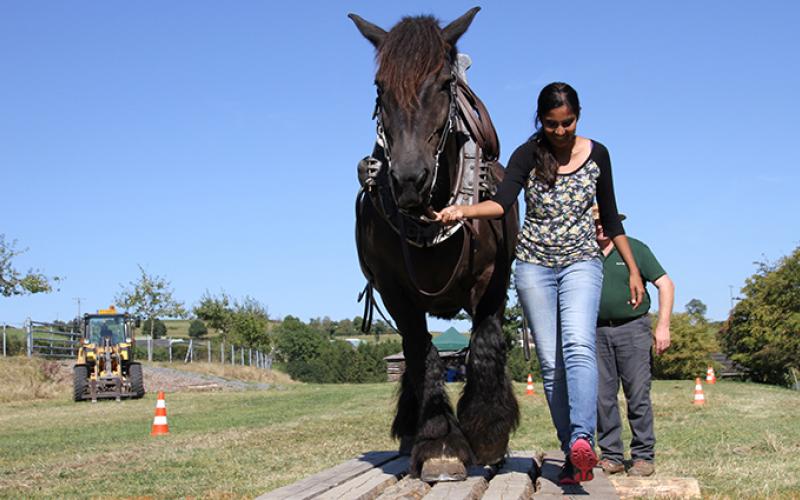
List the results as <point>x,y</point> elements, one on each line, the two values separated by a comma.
<point>558,228</point>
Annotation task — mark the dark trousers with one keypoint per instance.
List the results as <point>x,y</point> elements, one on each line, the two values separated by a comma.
<point>624,355</point>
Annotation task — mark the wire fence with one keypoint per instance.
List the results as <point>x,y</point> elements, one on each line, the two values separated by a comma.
<point>49,340</point>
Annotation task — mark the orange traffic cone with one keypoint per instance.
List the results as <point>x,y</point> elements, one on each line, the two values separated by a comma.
<point>710,377</point>
<point>529,390</point>
<point>160,420</point>
<point>699,398</point>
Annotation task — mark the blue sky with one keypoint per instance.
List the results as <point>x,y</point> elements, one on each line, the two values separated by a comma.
<point>216,144</point>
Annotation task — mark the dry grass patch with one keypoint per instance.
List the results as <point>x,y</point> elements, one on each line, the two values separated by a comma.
<point>29,379</point>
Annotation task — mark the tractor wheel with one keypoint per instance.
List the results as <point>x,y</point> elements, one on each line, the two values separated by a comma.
<point>80,380</point>
<point>137,380</point>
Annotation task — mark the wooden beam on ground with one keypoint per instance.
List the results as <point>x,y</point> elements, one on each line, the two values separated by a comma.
<point>330,478</point>
<point>471,488</point>
<point>599,487</point>
<point>656,487</point>
<point>369,485</point>
<point>513,480</point>
<point>407,488</point>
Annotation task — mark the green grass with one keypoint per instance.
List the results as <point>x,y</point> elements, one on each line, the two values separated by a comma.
<point>745,442</point>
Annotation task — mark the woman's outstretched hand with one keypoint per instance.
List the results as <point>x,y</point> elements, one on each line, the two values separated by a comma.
<point>637,290</point>
<point>450,215</point>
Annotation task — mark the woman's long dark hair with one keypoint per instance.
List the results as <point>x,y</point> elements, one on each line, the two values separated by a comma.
<point>553,96</point>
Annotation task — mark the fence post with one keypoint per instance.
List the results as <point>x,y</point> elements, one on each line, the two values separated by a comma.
<point>208,344</point>
<point>4,340</point>
<point>222,352</point>
<point>29,329</point>
<point>170,351</point>
<point>250,357</point>
<point>233,361</point>
<point>241,351</point>
<point>150,349</point>
<point>189,353</point>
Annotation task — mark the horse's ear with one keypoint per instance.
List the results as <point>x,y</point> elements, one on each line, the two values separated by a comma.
<point>375,34</point>
<point>453,31</point>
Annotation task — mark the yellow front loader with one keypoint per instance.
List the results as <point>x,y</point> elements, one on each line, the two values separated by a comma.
<point>105,367</point>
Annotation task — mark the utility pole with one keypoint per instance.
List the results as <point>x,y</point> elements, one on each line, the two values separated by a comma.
<point>733,298</point>
<point>78,300</point>
<point>78,319</point>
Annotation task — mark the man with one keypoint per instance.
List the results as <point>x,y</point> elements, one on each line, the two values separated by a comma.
<point>624,341</point>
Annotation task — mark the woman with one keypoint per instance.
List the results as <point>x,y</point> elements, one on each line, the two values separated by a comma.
<point>559,273</point>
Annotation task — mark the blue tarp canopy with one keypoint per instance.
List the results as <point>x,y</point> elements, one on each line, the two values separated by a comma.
<point>451,340</point>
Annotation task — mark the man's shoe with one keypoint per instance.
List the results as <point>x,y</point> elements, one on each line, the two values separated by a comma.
<point>642,468</point>
<point>611,467</point>
<point>583,460</point>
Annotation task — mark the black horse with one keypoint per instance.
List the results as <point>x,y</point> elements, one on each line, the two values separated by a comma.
<point>436,146</point>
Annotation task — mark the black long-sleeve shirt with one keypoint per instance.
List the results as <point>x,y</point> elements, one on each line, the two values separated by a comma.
<point>559,228</point>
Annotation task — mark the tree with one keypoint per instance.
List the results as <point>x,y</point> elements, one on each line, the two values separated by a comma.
<point>323,325</point>
<point>696,310</point>
<point>217,312</point>
<point>150,297</point>
<point>13,282</point>
<point>762,333</point>
<point>157,328</point>
<point>249,324</point>
<point>296,341</point>
<point>197,329</point>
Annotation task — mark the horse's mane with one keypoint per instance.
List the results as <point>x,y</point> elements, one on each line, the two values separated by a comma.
<point>412,50</point>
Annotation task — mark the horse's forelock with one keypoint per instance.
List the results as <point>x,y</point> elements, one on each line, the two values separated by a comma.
<point>412,50</point>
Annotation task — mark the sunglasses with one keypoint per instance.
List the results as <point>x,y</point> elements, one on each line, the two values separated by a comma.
<point>554,123</point>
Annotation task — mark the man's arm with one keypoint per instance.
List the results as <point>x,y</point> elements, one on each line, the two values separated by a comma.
<point>666,298</point>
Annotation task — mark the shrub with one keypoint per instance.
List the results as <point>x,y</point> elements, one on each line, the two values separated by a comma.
<point>689,355</point>
<point>159,329</point>
<point>519,368</point>
<point>197,329</point>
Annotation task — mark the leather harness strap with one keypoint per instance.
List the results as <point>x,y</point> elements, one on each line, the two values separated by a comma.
<point>478,121</point>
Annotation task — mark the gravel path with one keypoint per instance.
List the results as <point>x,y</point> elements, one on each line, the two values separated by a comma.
<point>169,379</point>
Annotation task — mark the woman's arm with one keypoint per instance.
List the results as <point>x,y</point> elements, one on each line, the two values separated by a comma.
<point>484,210</point>
<point>635,280</point>
<point>519,168</point>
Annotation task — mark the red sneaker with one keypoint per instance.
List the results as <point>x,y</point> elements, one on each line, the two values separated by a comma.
<point>583,460</point>
<point>567,474</point>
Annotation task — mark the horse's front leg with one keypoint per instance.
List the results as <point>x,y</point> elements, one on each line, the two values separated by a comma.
<point>425,416</point>
<point>488,411</point>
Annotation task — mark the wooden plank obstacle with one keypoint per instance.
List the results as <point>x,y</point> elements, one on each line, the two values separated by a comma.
<point>383,475</point>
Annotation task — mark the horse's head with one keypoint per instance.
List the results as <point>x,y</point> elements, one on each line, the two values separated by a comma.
<point>415,99</point>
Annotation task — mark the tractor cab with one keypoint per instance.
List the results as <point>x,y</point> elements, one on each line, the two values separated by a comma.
<point>102,329</point>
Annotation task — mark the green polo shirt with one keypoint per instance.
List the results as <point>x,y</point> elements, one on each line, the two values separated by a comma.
<point>616,285</point>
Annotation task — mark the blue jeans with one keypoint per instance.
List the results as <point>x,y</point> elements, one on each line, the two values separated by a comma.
<point>561,304</point>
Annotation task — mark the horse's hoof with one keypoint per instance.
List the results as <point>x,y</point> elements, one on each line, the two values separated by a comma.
<point>490,455</point>
<point>436,470</point>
